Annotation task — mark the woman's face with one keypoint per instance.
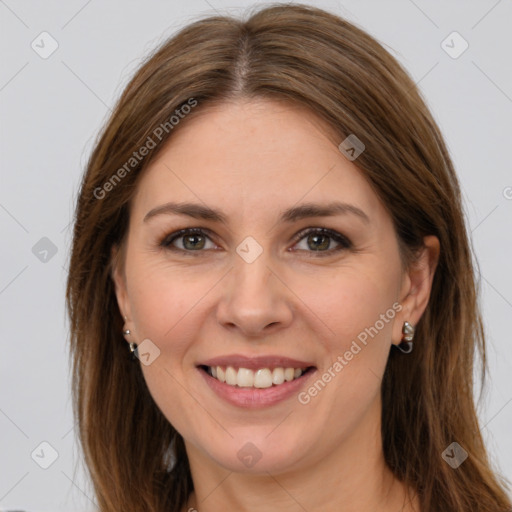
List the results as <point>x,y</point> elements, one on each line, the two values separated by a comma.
<point>257,293</point>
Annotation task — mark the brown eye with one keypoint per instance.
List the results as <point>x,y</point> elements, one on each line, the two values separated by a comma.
<point>193,241</point>
<point>187,240</point>
<point>320,240</point>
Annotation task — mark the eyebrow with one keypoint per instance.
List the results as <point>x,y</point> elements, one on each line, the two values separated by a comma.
<point>303,211</point>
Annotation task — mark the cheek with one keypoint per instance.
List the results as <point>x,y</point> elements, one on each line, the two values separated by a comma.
<point>358,309</point>
<point>166,304</point>
<point>164,300</point>
<point>355,305</point>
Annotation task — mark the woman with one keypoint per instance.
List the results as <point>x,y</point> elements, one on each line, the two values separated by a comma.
<point>271,290</point>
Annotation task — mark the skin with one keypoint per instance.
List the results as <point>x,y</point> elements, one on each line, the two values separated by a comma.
<point>252,159</point>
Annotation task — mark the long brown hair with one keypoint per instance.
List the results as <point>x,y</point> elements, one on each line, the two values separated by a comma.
<point>315,59</point>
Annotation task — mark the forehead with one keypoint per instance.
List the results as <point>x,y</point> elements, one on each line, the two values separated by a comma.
<point>247,156</point>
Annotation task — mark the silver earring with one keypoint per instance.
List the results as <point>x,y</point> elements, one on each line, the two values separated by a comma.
<point>132,345</point>
<point>406,345</point>
<point>133,348</point>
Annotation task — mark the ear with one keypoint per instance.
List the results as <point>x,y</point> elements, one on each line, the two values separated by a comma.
<point>416,286</point>
<point>118,277</point>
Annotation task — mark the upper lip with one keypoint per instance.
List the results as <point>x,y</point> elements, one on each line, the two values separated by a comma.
<point>255,362</point>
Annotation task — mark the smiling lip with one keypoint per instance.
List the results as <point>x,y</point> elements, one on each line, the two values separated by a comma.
<point>255,398</point>
<point>253,363</point>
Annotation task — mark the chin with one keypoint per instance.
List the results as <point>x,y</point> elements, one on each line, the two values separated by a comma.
<point>258,453</point>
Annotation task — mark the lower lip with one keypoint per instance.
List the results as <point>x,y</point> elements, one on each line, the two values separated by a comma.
<point>256,398</point>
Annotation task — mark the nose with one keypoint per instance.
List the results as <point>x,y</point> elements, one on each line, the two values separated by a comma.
<point>255,299</point>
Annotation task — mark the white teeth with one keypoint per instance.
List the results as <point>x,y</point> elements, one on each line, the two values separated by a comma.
<point>288,374</point>
<point>278,376</point>
<point>231,375</point>
<point>261,378</point>
<point>245,378</point>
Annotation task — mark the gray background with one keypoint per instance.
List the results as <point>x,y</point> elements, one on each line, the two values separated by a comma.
<point>51,111</point>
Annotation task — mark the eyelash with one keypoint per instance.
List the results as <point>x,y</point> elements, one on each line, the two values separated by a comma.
<point>344,242</point>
